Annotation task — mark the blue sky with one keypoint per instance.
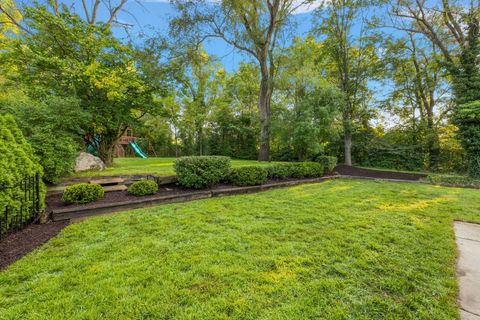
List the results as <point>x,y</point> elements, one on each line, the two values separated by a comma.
<point>152,16</point>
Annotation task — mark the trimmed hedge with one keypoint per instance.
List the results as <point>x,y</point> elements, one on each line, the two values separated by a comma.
<point>82,193</point>
<point>143,188</point>
<point>248,176</point>
<point>201,171</point>
<point>328,162</point>
<point>306,170</point>
<point>295,170</point>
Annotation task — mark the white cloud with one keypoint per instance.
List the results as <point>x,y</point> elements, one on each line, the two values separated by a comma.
<point>304,8</point>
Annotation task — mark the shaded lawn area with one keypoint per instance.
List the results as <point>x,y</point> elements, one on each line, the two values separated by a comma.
<point>342,249</point>
<point>155,166</point>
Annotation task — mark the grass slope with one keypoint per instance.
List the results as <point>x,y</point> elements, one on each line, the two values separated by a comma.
<point>156,166</point>
<point>344,249</point>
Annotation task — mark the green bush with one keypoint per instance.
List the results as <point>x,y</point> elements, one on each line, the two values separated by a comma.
<point>82,193</point>
<point>51,127</point>
<point>248,176</point>
<point>16,162</point>
<point>279,171</point>
<point>306,170</point>
<point>203,171</point>
<point>295,170</point>
<point>57,157</point>
<point>143,188</point>
<point>328,162</point>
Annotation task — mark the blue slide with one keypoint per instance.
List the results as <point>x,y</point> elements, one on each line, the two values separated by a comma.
<point>137,150</point>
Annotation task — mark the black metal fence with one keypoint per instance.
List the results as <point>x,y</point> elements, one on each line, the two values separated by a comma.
<point>24,204</point>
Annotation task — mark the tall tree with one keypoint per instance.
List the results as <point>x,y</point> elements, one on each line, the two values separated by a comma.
<point>199,83</point>
<point>234,120</point>
<point>420,95</point>
<point>251,26</point>
<point>454,28</point>
<point>350,49</point>
<point>62,55</point>
<point>311,104</point>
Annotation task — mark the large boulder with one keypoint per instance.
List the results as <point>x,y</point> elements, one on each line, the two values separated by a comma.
<point>88,162</point>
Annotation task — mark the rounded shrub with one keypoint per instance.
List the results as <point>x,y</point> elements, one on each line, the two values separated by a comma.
<point>143,188</point>
<point>248,176</point>
<point>328,162</point>
<point>82,193</point>
<point>201,171</point>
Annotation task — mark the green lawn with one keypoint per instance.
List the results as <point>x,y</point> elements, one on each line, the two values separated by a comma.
<point>156,166</point>
<point>342,249</point>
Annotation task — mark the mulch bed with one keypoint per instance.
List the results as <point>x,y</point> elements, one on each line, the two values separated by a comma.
<point>17,244</point>
<point>54,202</point>
<point>379,174</point>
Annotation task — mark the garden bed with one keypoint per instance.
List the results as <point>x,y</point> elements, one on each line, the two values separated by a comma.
<point>17,244</point>
<point>121,200</point>
<point>377,174</point>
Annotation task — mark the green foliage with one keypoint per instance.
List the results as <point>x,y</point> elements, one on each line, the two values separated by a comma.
<point>234,120</point>
<point>296,170</point>
<point>202,171</point>
<point>82,193</point>
<point>466,85</point>
<point>16,162</point>
<point>143,188</point>
<point>328,162</point>
<point>57,154</point>
<point>52,128</point>
<point>67,57</point>
<point>248,176</point>
<point>279,171</point>
<point>306,169</point>
<point>454,180</point>
<point>467,118</point>
<point>351,59</point>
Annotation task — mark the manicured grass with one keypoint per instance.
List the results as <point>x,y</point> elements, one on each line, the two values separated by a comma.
<point>155,166</point>
<point>342,249</point>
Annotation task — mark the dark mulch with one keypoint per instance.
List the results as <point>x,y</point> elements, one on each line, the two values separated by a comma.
<point>361,172</point>
<point>54,202</point>
<point>17,244</point>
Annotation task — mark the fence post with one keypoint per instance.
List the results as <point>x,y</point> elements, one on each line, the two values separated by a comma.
<point>37,192</point>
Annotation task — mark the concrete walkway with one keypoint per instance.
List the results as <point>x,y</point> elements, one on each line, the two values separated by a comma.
<point>467,236</point>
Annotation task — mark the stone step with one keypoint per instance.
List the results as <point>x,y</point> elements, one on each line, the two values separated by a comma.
<point>118,187</point>
<point>107,181</point>
<point>55,190</point>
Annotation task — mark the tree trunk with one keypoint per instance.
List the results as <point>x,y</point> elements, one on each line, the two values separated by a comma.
<point>176,141</point>
<point>105,151</point>
<point>348,148</point>
<point>432,141</point>
<point>264,109</point>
